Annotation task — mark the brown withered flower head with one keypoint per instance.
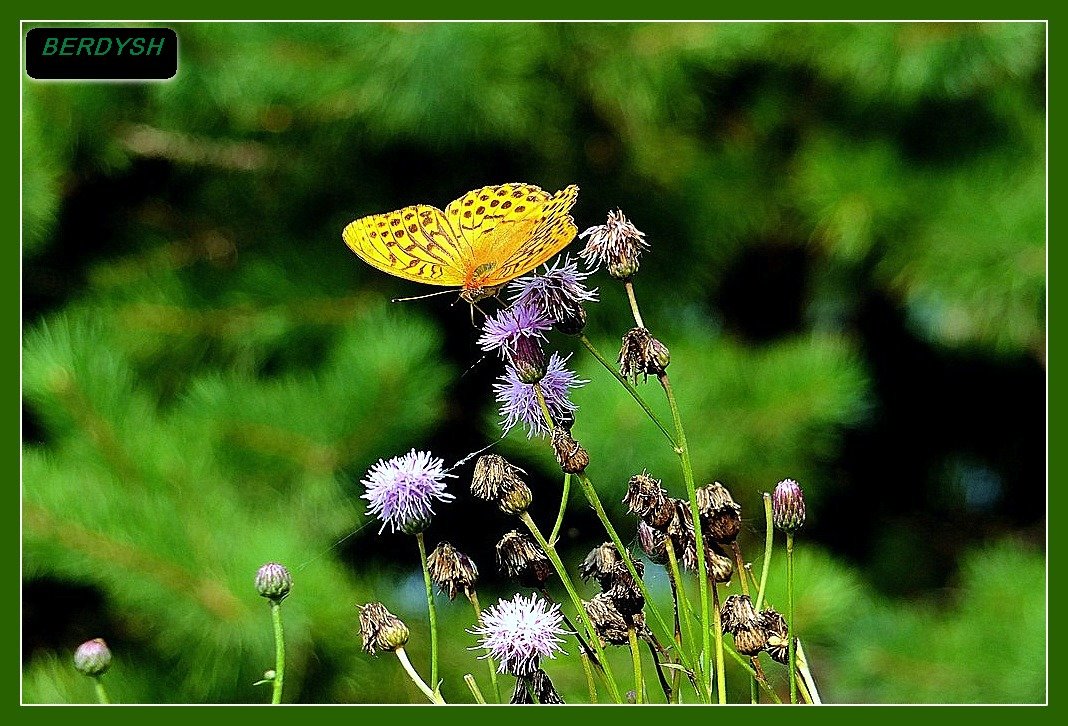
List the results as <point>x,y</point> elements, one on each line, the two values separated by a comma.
<point>381,629</point>
<point>491,471</point>
<point>599,564</point>
<point>624,591</point>
<point>514,496</point>
<point>721,516</point>
<point>617,244</point>
<point>640,354</point>
<point>777,634</point>
<point>609,623</point>
<point>451,570</point>
<point>573,459</point>
<point>647,499</point>
<point>519,557</point>
<point>740,619</point>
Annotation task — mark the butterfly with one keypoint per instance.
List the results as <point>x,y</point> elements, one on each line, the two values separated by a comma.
<point>481,241</point>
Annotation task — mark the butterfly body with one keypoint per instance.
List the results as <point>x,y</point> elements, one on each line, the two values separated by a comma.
<point>478,243</point>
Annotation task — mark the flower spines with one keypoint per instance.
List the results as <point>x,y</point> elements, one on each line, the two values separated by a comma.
<point>519,401</point>
<point>452,571</point>
<point>518,633</point>
<point>402,490</point>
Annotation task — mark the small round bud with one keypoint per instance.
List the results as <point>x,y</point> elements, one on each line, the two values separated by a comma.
<point>93,657</point>
<point>515,496</point>
<point>788,506</point>
<point>573,459</point>
<point>381,629</point>
<point>519,557</point>
<point>528,359</point>
<point>273,581</point>
<point>451,570</point>
<point>657,357</point>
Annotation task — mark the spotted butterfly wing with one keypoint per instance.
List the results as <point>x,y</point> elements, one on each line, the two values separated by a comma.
<point>415,243</point>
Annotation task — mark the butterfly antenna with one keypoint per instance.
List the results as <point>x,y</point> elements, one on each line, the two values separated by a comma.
<point>473,454</point>
<point>419,297</point>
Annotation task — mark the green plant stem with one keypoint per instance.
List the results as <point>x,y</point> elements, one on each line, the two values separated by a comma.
<point>101,694</point>
<point>473,687</point>
<point>555,534</point>
<point>576,601</point>
<point>433,695</point>
<point>589,675</point>
<point>691,491</point>
<point>433,612</point>
<point>769,541</point>
<point>636,659</point>
<point>721,680</point>
<point>682,604</point>
<point>791,648</point>
<point>472,597</point>
<point>279,652</point>
<point>630,389</point>
<point>629,285</point>
<point>749,669</point>
<point>806,675</point>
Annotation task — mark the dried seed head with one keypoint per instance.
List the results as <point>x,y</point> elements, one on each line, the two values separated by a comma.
<point>778,634</point>
<point>451,570</point>
<point>490,473</point>
<point>738,611</point>
<point>624,591</point>
<point>273,581</point>
<point>653,543</point>
<point>719,567</point>
<point>93,657</point>
<point>647,499</point>
<point>536,688</point>
<point>519,557</point>
<point>573,459</point>
<point>381,629</point>
<point>608,622</point>
<point>599,563</point>
<point>515,496</point>
<point>788,506</point>
<point>721,516</point>
<point>617,244</point>
<point>750,640</point>
<point>632,354</point>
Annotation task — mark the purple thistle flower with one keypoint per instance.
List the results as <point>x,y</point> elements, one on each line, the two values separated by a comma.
<point>504,330</point>
<point>519,631</point>
<point>519,402</point>
<point>557,292</point>
<point>401,491</point>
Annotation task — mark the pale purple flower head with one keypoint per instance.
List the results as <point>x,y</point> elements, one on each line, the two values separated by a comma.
<point>401,491</point>
<point>509,325</point>
<point>520,631</point>
<point>617,244</point>
<point>558,292</point>
<point>519,401</point>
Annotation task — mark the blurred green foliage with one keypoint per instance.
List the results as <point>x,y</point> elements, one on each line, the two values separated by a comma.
<point>208,371</point>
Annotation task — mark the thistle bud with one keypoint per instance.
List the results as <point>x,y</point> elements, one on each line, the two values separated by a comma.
<point>721,516</point>
<point>657,357</point>
<point>788,506</point>
<point>573,459</point>
<point>572,320</point>
<point>273,582</point>
<point>452,570</point>
<point>599,563</point>
<point>514,496</point>
<point>653,543</point>
<point>381,629</point>
<point>519,557</point>
<point>490,473</point>
<point>528,359</point>
<point>647,499</point>
<point>93,657</point>
<point>778,635</point>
